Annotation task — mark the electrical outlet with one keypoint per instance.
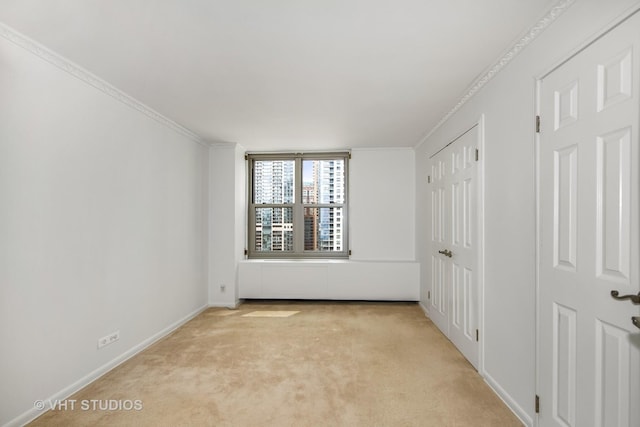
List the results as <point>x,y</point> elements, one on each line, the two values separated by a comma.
<point>109,339</point>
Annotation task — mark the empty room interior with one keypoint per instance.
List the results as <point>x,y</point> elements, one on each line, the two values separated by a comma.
<point>344,213</point>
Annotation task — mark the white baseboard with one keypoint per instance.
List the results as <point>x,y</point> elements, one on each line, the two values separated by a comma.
<point>33,413</point>
<point>498,390</point>
<point>224,305</point>
<point>424,308</point>
<point>508,400</point>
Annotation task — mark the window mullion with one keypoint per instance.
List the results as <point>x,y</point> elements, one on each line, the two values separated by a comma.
<point>251,215</point>
<point>298,211</point>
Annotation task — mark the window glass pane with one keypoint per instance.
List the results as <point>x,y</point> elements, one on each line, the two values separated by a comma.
<point>274,229</point>
<point>323,229</point>
<point>273,181</point>
<point>323,181</point>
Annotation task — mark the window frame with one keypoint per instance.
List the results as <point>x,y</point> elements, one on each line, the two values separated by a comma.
<point>298,207</point>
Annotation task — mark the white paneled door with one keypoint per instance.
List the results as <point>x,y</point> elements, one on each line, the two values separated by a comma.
<point>589,346</point>
<point>454,244</point>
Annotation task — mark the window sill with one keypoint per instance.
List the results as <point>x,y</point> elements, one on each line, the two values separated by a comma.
<point>296,260</point>
<point>323,261</point>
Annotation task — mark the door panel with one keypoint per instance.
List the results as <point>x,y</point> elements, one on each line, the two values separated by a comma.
<point>588,348</point>
<point>613,375</point>
<point>564,363</point>
<point>454,303</point>
<point>613,169</point>
<point>565,203</point>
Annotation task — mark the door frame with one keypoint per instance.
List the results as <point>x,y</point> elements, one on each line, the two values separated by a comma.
<point>480,124</point>
<point>538,79</point>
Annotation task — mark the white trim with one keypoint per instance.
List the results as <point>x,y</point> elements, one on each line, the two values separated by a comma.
<point>509,401</point>
<point>590,40</point>
<point>231,306</point>
<point>276,153</point>
<point>425,310</point>
<point>554,12</point>
<point>91,79</point>
<point>481,240</point>
<point>66,392</point>
<point>452,140</point>
<point>223,144</point>
<point>382,149</point>
<point>536,167</point>
<point>315,261</point>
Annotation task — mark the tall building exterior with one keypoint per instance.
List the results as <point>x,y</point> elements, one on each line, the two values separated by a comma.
<point>309,195</point>
<point>273,184</point>
<point>331,190</point>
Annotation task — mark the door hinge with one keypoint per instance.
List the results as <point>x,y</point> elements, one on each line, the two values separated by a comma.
<point>477,154</point>
<point>246,252</point>
<point>537,124</point>
<point>477,335</point>
<point>349,252</point>
<point>246,157</point>
<point>537,404</point>
<point>429,179</point>
<point>428,294</point>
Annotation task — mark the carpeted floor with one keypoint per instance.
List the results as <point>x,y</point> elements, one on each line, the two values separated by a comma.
<point>320,364</point>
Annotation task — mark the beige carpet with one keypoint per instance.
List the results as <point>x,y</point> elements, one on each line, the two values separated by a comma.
<point>321,364</point>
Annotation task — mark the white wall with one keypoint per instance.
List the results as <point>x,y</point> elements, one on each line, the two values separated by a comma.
<point>381,204</point>
<point>227,200</point>
<point>381,235</point>
<point>102,228</point>
<point>508,103</point>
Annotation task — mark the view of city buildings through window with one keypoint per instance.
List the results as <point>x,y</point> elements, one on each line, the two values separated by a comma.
<point>322,196</point>
<point>273,184</point>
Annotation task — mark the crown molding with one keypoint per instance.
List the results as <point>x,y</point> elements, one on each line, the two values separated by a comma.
<point>382,148</point>
<point>552,14</point>
<point>91,79</point>
<point>223,144</point>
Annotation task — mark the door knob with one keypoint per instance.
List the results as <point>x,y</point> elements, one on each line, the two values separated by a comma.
<point>634,298</point>
<point>636,321</point>
<point>446,252</point>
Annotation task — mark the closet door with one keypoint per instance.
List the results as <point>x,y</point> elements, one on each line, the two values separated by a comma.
<point>454,250</point>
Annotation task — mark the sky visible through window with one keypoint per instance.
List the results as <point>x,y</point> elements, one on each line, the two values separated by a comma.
<point>307,172</point>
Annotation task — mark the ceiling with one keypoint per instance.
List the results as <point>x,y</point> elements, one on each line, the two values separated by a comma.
<point>285,74</point>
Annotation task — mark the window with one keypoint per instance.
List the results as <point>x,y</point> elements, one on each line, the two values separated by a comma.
<point>298,205</point>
